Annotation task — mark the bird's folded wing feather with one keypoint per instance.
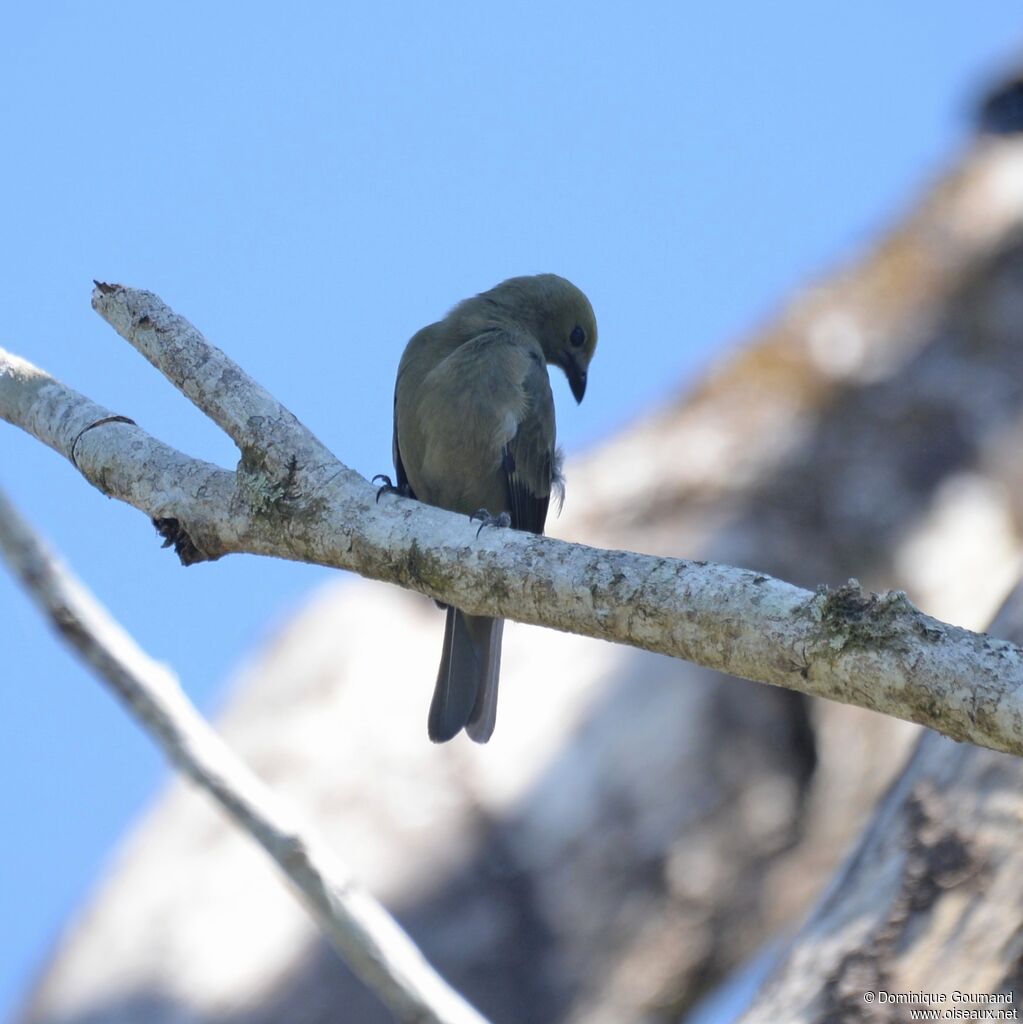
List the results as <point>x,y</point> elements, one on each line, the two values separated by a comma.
<point>528,461</point>
<point>485,429</point>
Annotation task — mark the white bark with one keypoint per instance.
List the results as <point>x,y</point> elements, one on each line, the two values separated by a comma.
<point>358,927</point>
<point>291,498</point>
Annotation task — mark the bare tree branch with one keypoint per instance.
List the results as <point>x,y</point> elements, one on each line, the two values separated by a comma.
<point>259,425</point>
<point>291,498</point>
<point>365,935</point>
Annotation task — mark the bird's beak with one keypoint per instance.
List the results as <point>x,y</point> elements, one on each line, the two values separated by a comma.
<point>576,379</point>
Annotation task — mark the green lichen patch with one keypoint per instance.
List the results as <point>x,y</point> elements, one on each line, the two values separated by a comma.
<point>853,617</point>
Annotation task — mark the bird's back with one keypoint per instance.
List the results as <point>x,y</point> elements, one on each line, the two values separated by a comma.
<point>474,422</point>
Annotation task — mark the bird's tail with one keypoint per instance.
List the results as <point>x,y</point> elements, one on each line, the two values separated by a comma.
<point>466,692</point>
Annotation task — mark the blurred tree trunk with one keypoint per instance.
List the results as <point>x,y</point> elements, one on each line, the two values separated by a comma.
<point>930,904</point>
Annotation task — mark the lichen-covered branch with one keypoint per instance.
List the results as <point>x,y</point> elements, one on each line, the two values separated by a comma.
<point>267,434</point>
<point>291,498</point>
<point>370,941</point>
<point>121,459</point>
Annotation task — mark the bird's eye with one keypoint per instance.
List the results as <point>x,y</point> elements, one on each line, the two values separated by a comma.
<point>577,337</point>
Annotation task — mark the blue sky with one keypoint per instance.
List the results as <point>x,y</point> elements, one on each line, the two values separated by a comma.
<point>309,187</point>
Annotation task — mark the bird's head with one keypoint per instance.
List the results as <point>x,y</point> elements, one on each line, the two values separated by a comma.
<point>559,316</point>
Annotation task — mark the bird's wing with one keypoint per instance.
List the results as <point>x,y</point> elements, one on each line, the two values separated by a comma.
<point>402,484</point>
<point>528,461</point>
<point>481,429</point>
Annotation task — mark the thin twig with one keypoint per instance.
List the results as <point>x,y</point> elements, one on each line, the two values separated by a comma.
<point>358,927</point>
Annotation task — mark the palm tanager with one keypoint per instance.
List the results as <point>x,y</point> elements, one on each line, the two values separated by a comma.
<point>474,432</point>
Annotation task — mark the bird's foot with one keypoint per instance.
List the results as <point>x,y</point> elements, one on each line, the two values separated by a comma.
<point>387,487</point>
<point>486,519</point>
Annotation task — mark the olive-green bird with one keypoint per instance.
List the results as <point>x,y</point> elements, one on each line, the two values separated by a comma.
<point>474,432</point>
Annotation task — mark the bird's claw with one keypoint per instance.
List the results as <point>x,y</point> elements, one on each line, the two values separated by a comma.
<point>486,519</point>
<point>387,487</point>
